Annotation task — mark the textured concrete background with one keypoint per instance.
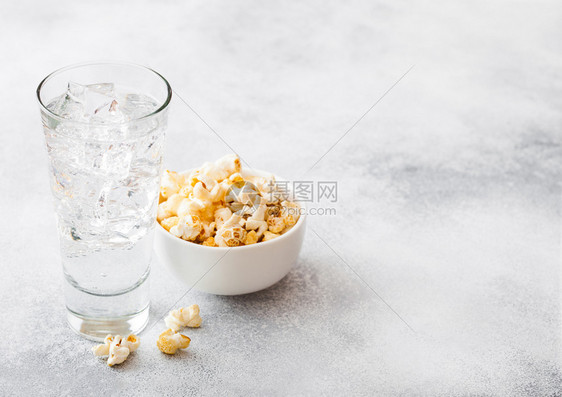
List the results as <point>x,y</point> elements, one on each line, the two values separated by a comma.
<point>449,194</point>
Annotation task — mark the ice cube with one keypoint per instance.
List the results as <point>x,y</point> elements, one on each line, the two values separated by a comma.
<point>70,105</point>
<point>109,113</point>
<point>77,91</point>
<point>97,97</point>
<point>136,106</point>
<point>107,89</point>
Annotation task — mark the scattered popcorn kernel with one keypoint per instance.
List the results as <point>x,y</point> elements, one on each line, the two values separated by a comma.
<point>101,350</point>
<point>251,238</point>
<point>169,342</point>
<point>118,352</point>
<point>184,317</point>
<point>132,342</point>
<point>117,348</point>
<point>269,236</point>
<point>275,224</point>
<point>167,223</point>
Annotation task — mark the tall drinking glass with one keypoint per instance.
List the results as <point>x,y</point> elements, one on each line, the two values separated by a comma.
<point>104,127</point>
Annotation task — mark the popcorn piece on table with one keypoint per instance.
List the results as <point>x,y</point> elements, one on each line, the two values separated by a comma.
<point>184,318</point>
<point>132,342</point>
<point>117,348</point>
<point>103,349</point>
<point>118,353</point>
<point>170,341</point>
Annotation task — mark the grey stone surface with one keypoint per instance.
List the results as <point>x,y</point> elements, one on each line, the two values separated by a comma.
<point>448,207</point>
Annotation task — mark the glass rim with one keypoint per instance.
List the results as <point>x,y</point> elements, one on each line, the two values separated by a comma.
<point>76,65</point>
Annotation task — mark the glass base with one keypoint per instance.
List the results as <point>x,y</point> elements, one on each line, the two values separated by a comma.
<point>97,329</point>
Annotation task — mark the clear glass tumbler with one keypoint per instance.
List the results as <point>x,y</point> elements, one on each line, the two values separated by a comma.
<point>104,126</point>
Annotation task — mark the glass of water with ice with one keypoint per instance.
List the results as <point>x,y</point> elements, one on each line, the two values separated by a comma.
<point>104,126</point>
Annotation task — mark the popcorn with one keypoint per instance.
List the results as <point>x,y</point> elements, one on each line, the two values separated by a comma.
<point>269,236</point>
<point>257,221</point>
<point>117,353</point>
<point>210,242</point>
<point>101,350</point>
<point>188,227</point>
<point>170,184</point>
<point>231,234</point>
<point>207,231</point>
<point>170,341</point>
<point>132,342</point>
<point>186,190</point>
<point>190,206</point>
<point>200,193</point>
<point>184,318</point>
<point>216,206</point>
<point>251,238</point>
<point>207,182</point>
<point>266,185</point>
<point>117,348</point>
<point>290,213</point>
<point>222,215</point>
<point>222,168</point>
<point>167,223</point>
<point>275,224</point>
<point>219,191</point>
<point>169,207</point>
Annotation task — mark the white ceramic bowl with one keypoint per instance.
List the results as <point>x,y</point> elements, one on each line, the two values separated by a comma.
<point>231,271</point>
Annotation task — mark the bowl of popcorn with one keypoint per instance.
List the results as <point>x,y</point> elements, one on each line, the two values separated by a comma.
<point>228,231</point>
